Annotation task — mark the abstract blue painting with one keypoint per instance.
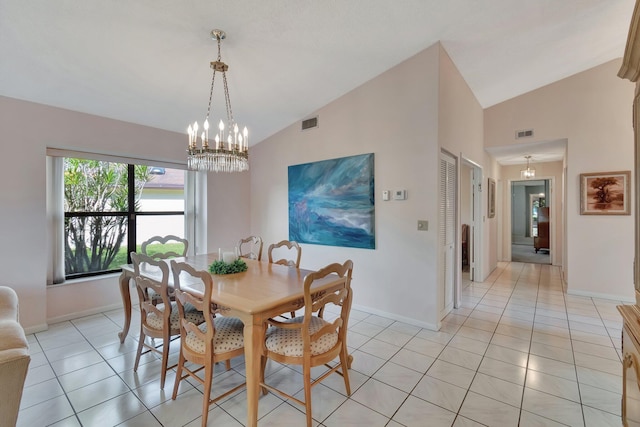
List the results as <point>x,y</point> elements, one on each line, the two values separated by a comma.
<point>331,202</point>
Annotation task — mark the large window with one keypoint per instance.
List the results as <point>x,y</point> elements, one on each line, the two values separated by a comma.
<point>111,208</point>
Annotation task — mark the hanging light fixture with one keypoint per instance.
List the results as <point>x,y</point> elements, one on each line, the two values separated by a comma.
<point>229,151</point>
<point>529,172</point>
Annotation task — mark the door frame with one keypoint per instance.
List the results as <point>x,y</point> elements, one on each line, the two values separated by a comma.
<point>475,264</point>
<point>552,218</point>
<point>456,250</point>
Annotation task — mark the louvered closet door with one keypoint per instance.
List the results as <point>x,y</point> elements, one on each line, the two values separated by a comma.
<point>447,230</point>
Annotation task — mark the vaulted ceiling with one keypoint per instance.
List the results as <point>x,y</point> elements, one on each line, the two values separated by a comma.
<point>147,61</point>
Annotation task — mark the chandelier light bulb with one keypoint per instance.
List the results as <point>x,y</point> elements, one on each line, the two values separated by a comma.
<point>190,133</point>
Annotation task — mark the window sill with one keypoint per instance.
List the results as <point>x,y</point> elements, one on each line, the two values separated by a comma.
<point>85,280</point>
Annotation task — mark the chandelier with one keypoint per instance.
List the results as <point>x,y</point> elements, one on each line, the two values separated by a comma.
<point>229,151</point>
<point>529,172</point>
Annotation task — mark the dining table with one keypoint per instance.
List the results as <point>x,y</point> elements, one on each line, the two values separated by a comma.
<point>263,291</point>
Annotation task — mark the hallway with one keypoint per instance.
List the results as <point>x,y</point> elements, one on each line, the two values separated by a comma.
<point>527,253</point>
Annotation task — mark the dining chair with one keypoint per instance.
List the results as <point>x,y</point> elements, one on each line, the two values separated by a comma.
<point>159,319</point>
<point>218,339</point>
<point>253,247</point>
<point>163,247</point>
<point>293,247</point>
<point>310,340</point>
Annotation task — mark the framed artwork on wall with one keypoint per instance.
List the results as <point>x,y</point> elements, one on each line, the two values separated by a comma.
<point>605,193</point>
<point>331,202</point>
<point>491,200</point>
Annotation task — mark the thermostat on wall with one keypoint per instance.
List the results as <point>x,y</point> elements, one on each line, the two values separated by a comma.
<point>399,194</point>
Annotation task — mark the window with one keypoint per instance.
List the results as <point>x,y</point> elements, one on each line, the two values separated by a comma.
<point>111,208</point>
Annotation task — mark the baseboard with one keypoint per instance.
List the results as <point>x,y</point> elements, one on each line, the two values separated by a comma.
<point>601,296</point>
<point>37,328</point>
<point>79,314</point>
<point>397,318</point>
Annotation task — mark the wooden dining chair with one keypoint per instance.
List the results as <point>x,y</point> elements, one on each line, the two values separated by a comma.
<point>293,248</point>
<point>218,339</point>
<point>159,319</point>
<point>164,247</point>
<point>310,340</point>
<point>287,247</point>
<point>252,247</point>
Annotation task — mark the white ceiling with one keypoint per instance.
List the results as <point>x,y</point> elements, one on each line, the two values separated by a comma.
<point>147,61</point>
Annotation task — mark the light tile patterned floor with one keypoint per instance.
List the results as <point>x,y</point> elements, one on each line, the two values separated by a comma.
<point>517,352</point>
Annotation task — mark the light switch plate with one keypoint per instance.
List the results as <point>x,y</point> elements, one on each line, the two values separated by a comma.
<point>385,195</point>
<point>423,225</point>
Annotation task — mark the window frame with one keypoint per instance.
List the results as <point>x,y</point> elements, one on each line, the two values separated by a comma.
<point>131,217</point>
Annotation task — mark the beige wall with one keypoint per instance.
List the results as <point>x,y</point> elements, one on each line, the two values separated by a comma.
<point>26,130</point>
<point>396,117</point>
<point>592,111</point>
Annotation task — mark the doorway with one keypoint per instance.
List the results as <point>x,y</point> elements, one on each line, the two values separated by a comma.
<point>470,221</point>
<point>530,221</point>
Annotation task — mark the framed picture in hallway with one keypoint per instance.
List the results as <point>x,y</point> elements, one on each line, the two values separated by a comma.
<point>491,201</point>
<point>605,193</point>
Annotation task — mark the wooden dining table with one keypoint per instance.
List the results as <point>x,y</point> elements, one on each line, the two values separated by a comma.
<point>265,290</point>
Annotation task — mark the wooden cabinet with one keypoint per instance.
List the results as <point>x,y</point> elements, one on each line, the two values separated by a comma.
<point>541,241</point>
<point>630,367</point>
<point>631,313</point>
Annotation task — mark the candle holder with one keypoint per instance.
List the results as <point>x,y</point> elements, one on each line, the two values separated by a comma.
<point>228,255</point>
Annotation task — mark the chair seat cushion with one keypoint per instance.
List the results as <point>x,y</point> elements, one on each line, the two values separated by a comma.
<point>288,342</point>
<point>229,336</point>
<point>157,299</point>
<point>190,312</point>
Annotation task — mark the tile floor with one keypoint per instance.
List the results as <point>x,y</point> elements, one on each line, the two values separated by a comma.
<point>518,352</point>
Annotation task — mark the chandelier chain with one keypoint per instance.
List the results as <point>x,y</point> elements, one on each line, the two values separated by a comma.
<point>213,79</point>
<point>227,100</point>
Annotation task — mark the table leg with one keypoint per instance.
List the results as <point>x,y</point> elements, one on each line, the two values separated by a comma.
<point>126,301</point>
<point>253,336</point>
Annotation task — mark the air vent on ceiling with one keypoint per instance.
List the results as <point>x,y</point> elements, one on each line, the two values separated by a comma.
<point>524,133</point>
<point>310,123</point>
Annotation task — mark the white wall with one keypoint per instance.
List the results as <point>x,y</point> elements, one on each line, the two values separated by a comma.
<point>395,116</point>
<point>592,110</point>
<point>26,130</point>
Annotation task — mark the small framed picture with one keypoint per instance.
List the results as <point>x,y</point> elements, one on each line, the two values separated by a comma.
<point>605,193</point>
<point>491,201</point>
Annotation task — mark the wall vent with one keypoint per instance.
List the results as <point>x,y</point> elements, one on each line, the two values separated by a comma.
<point>310,123</point>
<point>524,133</point>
